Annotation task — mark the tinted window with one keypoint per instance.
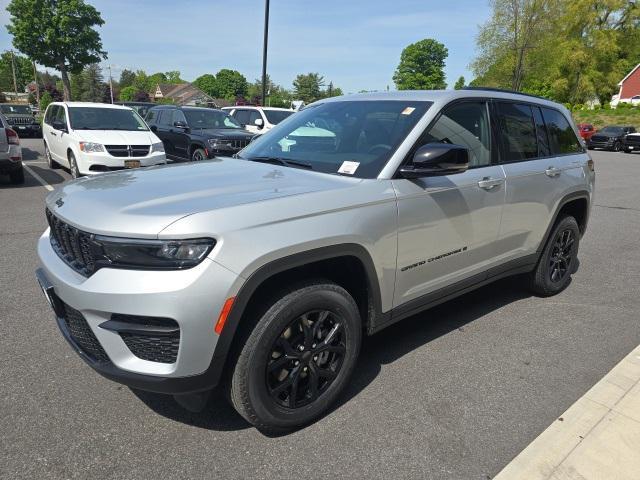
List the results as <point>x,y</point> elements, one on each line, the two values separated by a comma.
<point>562,138</point>
<point>253,116</point>
<point>151,116</point>
<point>93,118</point>
<point>518,132</point>
<point>15,109</point>
<point>203,118</point>
<point>166,117</point>
<point>50,115</point>
<point>61,115</point>
<point>541,132</point>
<point>464,124</point>
<point>276,116</point>
<point>178,116</point>
<point>242,116</point>
<point>346,137</point>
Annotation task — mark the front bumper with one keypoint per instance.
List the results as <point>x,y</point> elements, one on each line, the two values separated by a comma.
<point>193,298</point>
<point>606,144</point>
<point>94,163</point>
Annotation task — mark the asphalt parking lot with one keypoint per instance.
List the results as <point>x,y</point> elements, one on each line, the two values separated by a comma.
<point>455,392</point>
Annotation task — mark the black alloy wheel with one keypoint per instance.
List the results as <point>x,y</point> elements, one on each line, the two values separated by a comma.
<point>617,146</point>
<point>198,154</point>
<point>306,358</point>
<point>561,259</point>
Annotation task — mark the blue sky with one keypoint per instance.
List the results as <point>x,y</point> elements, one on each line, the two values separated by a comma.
<point>355,44</point>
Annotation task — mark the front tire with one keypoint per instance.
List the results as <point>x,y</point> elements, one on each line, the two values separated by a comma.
<point>617,147</point>
<point>298,358</point>
<point>51,163</point>
<point>558,260</point>
<point>198,155</point>
<point>73,166</point>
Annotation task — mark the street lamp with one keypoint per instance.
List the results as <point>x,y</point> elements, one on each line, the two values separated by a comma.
<point>264,52</point>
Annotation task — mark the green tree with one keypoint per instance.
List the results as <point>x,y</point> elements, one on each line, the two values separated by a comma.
<point>127,77</point>
<point>231,84</point>
<point>77,84</point>
<point>93,85</point>
<point>23,68</point>
<point>57,34</point>
<point>422,66</point>
<point>208,84</point>
<point>45,100</point>
<point>459,83</point>
<point>142,82</point>
<point>308,87</point>
<point>173,77</point>
<point>127,93</point>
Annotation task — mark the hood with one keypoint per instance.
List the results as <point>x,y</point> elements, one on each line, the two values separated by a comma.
<point>226,133</point>
<point>142,202</point>
<point>117,137</point>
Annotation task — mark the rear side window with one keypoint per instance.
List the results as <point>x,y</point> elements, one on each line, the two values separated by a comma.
<point>518,132</point>
<point>562,138</point>
<point>166,117</point>
<point>242,116</point>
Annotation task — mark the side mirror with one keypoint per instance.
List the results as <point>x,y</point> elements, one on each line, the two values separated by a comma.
<point>258,123</point>
<point>153,128</point>
<point>437,159</point>
<point>58,125</point>
<point>181,124</point>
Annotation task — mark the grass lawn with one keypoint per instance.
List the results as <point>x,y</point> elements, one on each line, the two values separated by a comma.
<point>602,118</point>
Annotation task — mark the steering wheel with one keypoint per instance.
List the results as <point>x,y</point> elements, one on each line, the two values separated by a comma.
<point>382,146</point>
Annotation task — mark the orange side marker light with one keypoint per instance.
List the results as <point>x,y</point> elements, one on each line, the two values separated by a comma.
<point>224,313</point>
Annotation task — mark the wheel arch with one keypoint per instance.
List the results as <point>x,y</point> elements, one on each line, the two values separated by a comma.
<point>576,204</point>
<point>194,145</point>
<point>335,263</point>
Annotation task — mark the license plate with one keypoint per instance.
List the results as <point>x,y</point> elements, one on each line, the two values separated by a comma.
<point>22,128</point>
<point>131,163</point>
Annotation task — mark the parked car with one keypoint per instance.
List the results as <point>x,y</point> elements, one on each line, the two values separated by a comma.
<point>610,137</point>
<point>21,119</point>
<point>141,107</point>
<point>90,138</point>
<point>631,142</point>
<point>10,153</point>
<point>197,133</point>
<point>258,120</point>
<point>262,273</point>
<point>586,131</point>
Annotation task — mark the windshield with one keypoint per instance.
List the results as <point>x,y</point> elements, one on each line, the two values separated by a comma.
<point>276,116</point>
<point>92,118</point>
<point>205,119</point>
<point>349,137</point>
<point>15,109</point>
<point>612,130</point>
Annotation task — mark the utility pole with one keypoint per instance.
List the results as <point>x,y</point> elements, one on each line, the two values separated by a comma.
<point>110,84</point>
<point>35,79</point>
<point>13,69</point>
<point>264,51</point>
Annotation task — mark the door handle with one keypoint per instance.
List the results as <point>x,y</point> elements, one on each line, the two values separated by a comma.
<point>552,172</point>
<point>488,183</point>
<point>54,134</point>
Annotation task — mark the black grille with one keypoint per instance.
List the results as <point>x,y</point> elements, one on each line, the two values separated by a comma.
<point>162,348</point>
<point>72,245</point>
<point>83,336</point>
<point>599,138</point>
<point>633,140</point>
<point>239,144</point>
<point>128,150</point>
<point>20,121</point>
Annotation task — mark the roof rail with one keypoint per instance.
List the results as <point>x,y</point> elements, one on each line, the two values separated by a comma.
<point>504,90</point>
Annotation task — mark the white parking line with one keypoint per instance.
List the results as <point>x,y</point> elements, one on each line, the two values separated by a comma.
<point>37,177</point>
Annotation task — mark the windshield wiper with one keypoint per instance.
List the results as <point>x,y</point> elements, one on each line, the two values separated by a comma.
<point>281,161</point>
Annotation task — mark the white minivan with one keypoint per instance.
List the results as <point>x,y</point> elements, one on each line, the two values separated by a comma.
<point>90,138</point>
<point>258,120</point>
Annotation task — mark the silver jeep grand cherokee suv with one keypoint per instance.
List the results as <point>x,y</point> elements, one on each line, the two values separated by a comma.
<point>262,273</point>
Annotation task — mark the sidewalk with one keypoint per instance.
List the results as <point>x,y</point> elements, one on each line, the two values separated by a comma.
<point>597,438</point>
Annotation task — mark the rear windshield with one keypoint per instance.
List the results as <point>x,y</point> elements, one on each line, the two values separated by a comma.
<point>92,118</point>
<point>15,109</point>
<point>276,116</point>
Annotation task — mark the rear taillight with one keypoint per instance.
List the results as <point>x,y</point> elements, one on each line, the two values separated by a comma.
<point>12,137</point>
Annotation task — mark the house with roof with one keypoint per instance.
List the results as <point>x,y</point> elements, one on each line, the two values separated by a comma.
<point>629,88</point>
<point>186,94</point>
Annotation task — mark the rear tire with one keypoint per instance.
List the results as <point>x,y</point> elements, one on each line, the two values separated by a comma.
<point>292,367</point>
<point>559,259</point>
<point>17,177</point>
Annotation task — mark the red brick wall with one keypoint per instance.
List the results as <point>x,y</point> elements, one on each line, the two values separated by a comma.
<point>631,85</point>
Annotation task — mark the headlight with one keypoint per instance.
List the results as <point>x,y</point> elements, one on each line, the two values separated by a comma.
<point>90,147</point>
<point>157,147</point>
<point>154,254</point>
<point>218,144</point>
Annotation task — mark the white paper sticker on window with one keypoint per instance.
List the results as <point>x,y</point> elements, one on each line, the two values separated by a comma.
<point>349,167</point>
<point>408,111</point>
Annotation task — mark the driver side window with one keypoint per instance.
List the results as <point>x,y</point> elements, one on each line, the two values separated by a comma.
<point>465,124</point>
